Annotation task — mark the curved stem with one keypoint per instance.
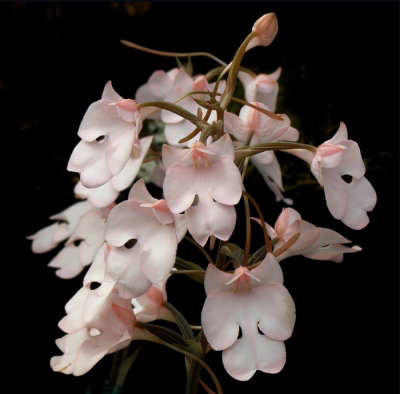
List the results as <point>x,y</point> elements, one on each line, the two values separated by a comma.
<point>287,245</point>
<point>268,244</point>
<point>176,109</point>
<point>198,360</point>
<point>245,151</point>
<point>202,250</point>
<point>171,54</point>
<point>248,223</point>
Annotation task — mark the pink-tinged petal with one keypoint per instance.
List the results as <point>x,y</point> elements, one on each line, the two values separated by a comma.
<point>43,240</point>
<point>158,174</point>
<point>172,155</point>
<point>96,271</point>
<point>247,356</point>
<point>222,147</point>
<point>180,226</point>
<point>149,306</point>
<point>140,194</point>
<point>124,266</point>
<point>332,252</point>
<point>276,74</point>
<point>224,182</point>
<point>99,120</point>
<point>75,303</point>
<point>219,319</point>
<point>287,217</point>
<point>215,279</point>
<point>73,213</point>
<point>328,236</point>
<point>127,110</point>
<point>162,212</point>
<point>100,197</point>
<point>362,198</point>
<point>159,257</point>
<point>68,344</point>
<point>245,78</point>
<point>340,135</point>
<point>235,126</point>
<point>67,262</point>
<point>180,187</point>
<point>125,178</point>
<point>110,94</point>
<point>291,134</point>
<point>119,149</point>
<point>269,270</point>
<point>159,84</point>
<point>352,162</point>
<point>87,159</point>
<point>349,202</point>
<point>126,221</point>
<point>174,132</point>
<point>208,218</point>
<point>280,313</point>
<point>91,352</point>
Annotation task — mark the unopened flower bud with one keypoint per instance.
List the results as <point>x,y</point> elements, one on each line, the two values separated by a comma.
<point>266,28</point>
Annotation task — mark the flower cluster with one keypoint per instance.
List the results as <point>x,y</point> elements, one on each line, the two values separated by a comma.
<point>179,134</point>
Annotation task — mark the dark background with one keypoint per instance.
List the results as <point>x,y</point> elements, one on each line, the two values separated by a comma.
<point>340,63</point>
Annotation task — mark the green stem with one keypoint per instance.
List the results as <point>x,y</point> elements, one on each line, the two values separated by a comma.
<point>246,151</point>
<point>202,250</point>
<point>171,54</point>
<point>198,360</point>
<point>176,109</point>
<point>233,71</point>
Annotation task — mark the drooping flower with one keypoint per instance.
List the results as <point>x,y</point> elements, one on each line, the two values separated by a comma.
<point>264,129</point>
<point>81,247</point>
<point>204,182</point>
<point>106,194</point>
<point>257,303</point>
<point>317,243</point>
<point>49,237</point>
<point>109,130</point>
<point>262,88</point>
<point>333,161</point>
<point>98,322</point>
<point>144,234</point>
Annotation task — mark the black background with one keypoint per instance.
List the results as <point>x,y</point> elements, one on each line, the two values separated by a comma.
<point>340,63</point>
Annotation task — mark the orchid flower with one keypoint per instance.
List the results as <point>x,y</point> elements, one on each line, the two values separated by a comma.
<point>82,245</point>
<point>144,235</point>
<point>107,193</point>
<point>49,237</point>
<point>332,162</point>
<point>264,129</point>
<point>314,242</point>
<point>209,173</point>
<point>256,302</point>
<point>98,322</point>
<point>262,88</point>
<point>109,130</point>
